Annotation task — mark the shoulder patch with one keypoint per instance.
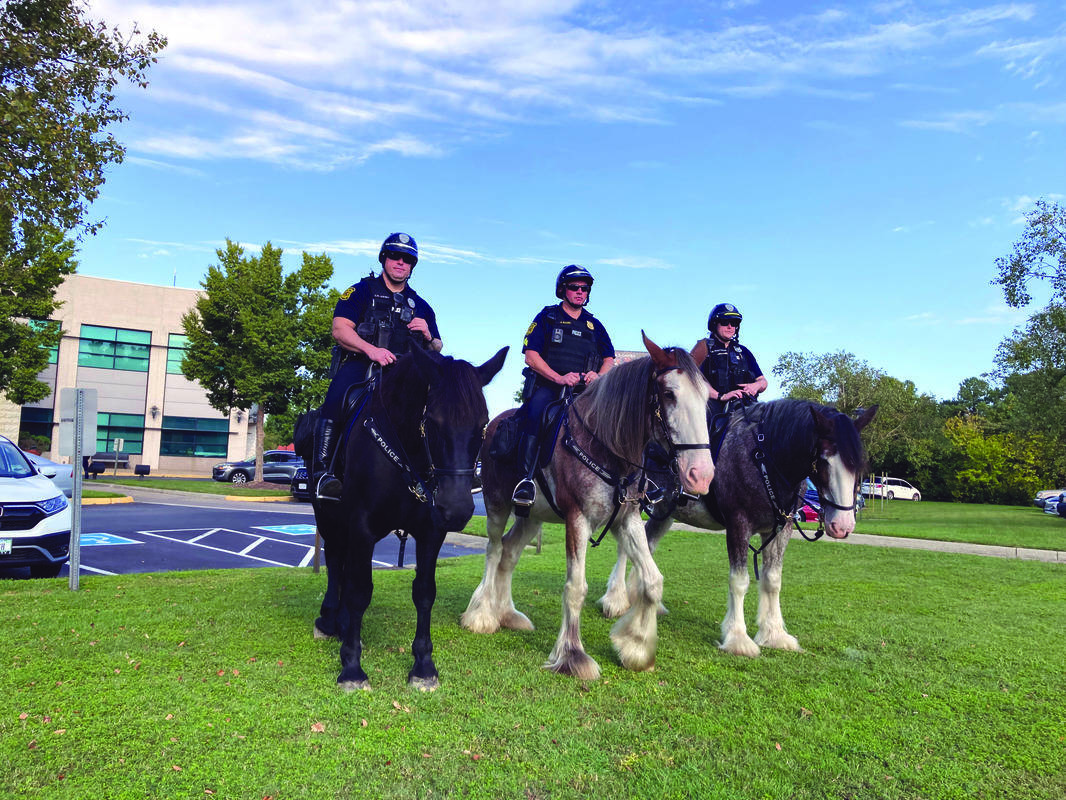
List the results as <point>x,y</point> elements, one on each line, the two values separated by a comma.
<point>529,330</point>
<point>347,293</point>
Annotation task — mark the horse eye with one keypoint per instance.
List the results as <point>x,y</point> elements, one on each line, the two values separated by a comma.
<point>668,394</point>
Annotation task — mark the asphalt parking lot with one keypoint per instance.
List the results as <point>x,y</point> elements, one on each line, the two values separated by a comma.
<point>161,532</point>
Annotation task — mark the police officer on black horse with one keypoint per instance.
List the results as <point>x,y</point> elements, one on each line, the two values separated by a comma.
<point>564,347</point>
<point>729,366</point>
<point>375,321</point>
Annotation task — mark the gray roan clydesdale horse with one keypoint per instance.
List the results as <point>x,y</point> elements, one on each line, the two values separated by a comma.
<point>659,399</point>
<point>768,452</point>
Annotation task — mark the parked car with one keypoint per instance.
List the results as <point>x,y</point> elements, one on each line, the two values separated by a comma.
<point>1051,505</point>
<point>34,516</point>
<point>279,466</point>
<point>891,489</point>
<point>62,475</point>
<point>1044,495</point>
<point>301,485</point>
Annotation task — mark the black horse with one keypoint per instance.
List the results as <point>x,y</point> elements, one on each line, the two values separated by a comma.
<point>767,453</point>
<point>408,466</point>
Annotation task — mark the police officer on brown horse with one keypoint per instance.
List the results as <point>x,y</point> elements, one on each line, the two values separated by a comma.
<point>375,321</point>
<point>564,347</point>
<point>729,366</point>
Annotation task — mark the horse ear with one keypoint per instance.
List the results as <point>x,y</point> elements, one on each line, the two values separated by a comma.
<point>427,367</point>
<point>659,357</point>
<point>488,370</point>
<point>866,418</point>
<point>821,422</point>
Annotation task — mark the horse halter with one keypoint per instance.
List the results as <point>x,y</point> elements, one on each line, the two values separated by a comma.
<point>655,403</point>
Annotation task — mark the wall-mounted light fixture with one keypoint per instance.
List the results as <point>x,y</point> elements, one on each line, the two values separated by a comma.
<point>155,411</point>
<point>240,416</point>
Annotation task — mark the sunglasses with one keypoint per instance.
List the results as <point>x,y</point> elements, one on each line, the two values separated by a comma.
<point>577,287</point>
<point>404,257</point>
<point>728,323</point>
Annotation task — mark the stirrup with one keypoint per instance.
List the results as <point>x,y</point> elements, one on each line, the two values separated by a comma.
<point>525,493</point>
<point>328,487</point>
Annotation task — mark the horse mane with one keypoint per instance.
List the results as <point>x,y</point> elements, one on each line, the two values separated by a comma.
<point>791,420</point>
<point>457,393</point>
<point>615,406</point>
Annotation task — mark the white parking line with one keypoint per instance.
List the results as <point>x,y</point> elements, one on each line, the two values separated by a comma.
<point>253,545</point>
<point>215,549</point>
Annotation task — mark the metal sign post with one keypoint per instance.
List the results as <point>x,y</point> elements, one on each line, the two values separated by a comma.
<point>77,422</point>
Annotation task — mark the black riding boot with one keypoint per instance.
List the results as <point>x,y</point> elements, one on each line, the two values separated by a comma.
<point>525,493</point>
<point>328,487</point>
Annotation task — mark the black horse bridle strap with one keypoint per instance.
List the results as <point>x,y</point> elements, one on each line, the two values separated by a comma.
<point>418,487</point>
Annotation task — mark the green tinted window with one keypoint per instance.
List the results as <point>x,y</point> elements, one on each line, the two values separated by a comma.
<point>176,352</point>
<point>114,348</point>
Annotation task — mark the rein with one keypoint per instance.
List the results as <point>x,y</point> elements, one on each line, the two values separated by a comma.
<point>649,494</point>
<point>782,518</point>
<point>421,488</point>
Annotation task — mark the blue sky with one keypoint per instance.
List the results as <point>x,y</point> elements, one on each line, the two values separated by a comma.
<point>845,174</point>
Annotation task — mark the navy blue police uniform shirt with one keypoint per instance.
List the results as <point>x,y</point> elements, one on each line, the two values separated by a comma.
<point>354,304</point>
<point>535,337</point>
<point>753,365</point>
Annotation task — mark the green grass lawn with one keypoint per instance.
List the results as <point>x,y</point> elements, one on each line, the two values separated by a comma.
<point>925,675</point>
<point>203,487</point>
<point>92,493</point>
<point>1008,526</point>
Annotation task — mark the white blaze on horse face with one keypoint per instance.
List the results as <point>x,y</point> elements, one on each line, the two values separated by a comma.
<point>686,420</point>
<point>840,488</point>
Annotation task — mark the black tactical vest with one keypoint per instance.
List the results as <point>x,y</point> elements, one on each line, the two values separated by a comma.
<point>384,323</point>
<point>725,366</point>
<point>570,344</point>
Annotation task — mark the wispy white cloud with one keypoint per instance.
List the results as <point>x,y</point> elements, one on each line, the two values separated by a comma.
<point>634,262</point>
<point>307,84</point>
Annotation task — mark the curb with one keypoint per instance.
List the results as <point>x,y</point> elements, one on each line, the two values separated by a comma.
<point>105,501</point>
<point>242,499</point>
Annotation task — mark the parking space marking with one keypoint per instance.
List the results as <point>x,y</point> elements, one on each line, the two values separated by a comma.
<point>196,543</point>
<point>104,539</point>
<point>290,530</point>
<point>253,545</point>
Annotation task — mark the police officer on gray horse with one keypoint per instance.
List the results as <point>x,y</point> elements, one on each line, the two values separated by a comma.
<point>729,366</point>
<point>375,322</point>
<point>564,347</point>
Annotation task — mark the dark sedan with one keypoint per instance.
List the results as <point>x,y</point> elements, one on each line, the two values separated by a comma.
<point>279,466</point>
<point>301,486</point>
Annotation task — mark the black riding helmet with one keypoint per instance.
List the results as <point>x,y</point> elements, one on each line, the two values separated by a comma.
<point>398,243</point>
<point>573,272</point>
<point>724,312</point>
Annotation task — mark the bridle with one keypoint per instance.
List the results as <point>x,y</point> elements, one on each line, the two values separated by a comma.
<point>781,516</point>
<point>648,493</point>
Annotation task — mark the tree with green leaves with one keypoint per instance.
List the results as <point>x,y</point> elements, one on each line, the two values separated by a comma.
<point>59,71</point>
<point>1032,361</point>
<point>258,336</point>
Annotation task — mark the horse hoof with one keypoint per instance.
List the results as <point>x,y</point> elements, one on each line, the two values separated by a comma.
<point>613,609</point>
<point>425,684</point>
<point>352,686</point>
<point>516,621</point>
<point>321,634</point>
<point>577,665</point>
<point>740,647</point>
<point>479,622</point>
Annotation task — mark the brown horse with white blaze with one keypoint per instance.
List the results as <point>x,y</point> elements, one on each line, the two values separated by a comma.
<point>659,399</point>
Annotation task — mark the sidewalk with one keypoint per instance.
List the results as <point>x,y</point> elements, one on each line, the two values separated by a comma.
<point>1022,553</point>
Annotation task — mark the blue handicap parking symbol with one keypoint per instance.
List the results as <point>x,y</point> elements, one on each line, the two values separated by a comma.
<point>289,530</point>
<point>104,539</point>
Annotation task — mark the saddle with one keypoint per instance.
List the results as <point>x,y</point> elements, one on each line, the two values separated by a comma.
<point>508,436</point>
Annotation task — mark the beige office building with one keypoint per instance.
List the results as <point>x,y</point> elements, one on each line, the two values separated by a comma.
<point>126,341</point>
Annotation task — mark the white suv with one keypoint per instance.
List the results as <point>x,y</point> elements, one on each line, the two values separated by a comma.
<point>34,516</point>
<point>891,488</point>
